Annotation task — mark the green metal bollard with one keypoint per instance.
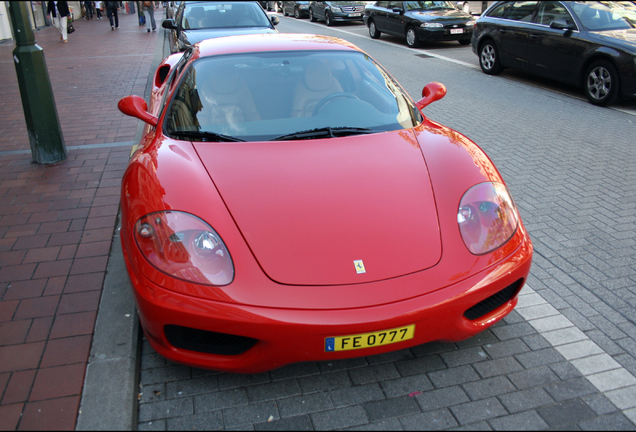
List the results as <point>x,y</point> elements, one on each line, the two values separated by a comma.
<point>40,112</point>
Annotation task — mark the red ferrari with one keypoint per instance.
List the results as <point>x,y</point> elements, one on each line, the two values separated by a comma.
<point>289,202</point>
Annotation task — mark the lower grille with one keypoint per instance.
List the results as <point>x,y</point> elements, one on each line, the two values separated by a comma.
<point>207,342</point>
<point>493,302</point>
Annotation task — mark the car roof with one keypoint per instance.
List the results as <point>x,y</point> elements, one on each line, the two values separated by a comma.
<point>272,42</point>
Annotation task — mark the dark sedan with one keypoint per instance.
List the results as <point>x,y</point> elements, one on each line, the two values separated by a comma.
<point>419,21</point>
<point>299,9</point>
<point>589,44</point>
<point>336,11</point>
<point>195,21</point>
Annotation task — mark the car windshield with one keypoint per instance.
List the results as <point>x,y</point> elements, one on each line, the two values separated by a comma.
<point>317,94</point>
<point>428,5</point>
<point>599,16</point>
<point>221,15</point>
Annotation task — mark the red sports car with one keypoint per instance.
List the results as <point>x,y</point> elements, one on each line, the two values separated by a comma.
<point>289,202</point>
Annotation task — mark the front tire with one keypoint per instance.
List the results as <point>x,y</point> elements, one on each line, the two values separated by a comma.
<point>296,13</point>
<point>411,38</point>
<point>312,17</point>
<point>328,19</point>
<point>373,30</point>
<point>489,58</point>
<point>602,83</point>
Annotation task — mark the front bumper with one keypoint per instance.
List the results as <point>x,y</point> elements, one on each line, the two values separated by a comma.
<point>283,336</point>
<point>442,34</point>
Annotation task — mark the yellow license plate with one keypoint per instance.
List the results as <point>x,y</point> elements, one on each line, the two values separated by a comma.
<point>368,340</point>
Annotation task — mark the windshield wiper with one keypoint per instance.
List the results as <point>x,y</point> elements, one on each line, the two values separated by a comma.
<point>205,136</point>
<point>329,132</point>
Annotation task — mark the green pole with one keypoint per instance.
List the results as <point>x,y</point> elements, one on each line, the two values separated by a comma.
<point>40,113</point>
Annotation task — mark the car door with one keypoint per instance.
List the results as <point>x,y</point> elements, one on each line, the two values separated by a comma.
<point>553,52</point>
<point>514,33</point>
<point>378,13</point>
<point>318,8</point>
<point>395,21</point>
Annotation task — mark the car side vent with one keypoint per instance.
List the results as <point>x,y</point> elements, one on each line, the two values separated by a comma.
<point>493,302</point>
<point>206,341</point>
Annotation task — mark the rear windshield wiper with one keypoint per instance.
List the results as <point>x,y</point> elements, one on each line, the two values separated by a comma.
<point>205,136</point>
<point>323,132</point>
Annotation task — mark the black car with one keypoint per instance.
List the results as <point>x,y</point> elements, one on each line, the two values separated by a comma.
<point>336,11</point>
<point>419,21</point>
<point>195,21</point>
<point>590,44</point>
<point>299,9</point>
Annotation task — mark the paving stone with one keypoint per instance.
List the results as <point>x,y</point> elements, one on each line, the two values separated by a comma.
<point>394,407</point>
<point>406,386</point>
<point>611,422</point>
<point>528,420</point>
<point>539,358</point>
<point>526,400</point>
<point>464,356</point>
<point>501,366</point>
<point>566,413</point>
<point>272,391</point>
<point>476,411</point>
<point>569,389</point>
<point>165,409</point>
<point>533,377</point>
<point>373,373</point>
<point>612,379</point>
<point>440,419</point>
<point>624,398</point>
<point>579,349</point>
<point>325,382</point>
<point>220,400</point>
<point>420,365</point>
<point>204,421</point>
<point>250,414</point>
<point>230,381</point>
<point>506,348</point>
<point>298,405</point>
<point>357,395</point>
<point>339,418</point>
<point>181,388</point>
<point>299,423</point>
<point>453,376</point>
<point>383,425</point>
<point>441,398</point>
<point>599,404</point>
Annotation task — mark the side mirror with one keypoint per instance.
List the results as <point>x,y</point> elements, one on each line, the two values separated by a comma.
<point>431,92</point>
<point>398,10</point>
<point>169,24</point>
<point>561,24</point>
<point>274,19</point>
<point>136,106</point>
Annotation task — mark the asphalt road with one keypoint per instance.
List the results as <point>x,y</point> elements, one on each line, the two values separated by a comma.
<point>565,358</point>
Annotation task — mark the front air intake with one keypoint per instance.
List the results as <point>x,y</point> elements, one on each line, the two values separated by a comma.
<point>206,341</point>
<point>493,302</point>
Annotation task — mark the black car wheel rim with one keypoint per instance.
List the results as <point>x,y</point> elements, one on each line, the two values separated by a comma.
<point>488,57</point>
<point>599,83</point>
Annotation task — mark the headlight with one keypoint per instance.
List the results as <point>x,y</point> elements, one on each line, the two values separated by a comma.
<point>185,247</point>
<point>431,25</point>
<point>487,217</point>
<point>336,9</point>
<point>470,24</point>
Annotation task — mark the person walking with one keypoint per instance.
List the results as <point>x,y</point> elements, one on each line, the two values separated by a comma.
<point>111,12</point>
<point>149,12</point>
<point>88,7</point>
<point>98,9</point>
<point>58,13</point>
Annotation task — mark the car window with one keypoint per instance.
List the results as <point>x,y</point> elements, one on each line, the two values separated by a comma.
<point>549,11</point>
<point>232,95</point>
<point>383,4</point>
<point>521,11</point>
<point>428,5</point>
<point>213,15</point>
<point>600,16</point>
<point>500,10</point>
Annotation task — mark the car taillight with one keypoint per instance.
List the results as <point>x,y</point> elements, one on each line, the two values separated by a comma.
<point>185,247</point>
<point>487,217</point>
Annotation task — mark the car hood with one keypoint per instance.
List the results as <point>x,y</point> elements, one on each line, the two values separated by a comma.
<point>624,38</point>
<point>439,15</point>
<point>191,37</point>
<point>309,210</point>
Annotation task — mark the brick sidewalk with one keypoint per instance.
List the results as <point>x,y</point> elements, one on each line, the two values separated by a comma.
<point>57,222</point>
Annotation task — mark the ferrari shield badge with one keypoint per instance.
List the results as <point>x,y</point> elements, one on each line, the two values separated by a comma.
<point>359,266</point>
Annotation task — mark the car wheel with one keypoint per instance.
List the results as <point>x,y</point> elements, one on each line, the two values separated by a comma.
<point>328,19</point>
<point>373,30</point>
<point>411,38</point>
<point>296,13</point>
<point>284,12</point>
<point>312,17</point>
<point>601,83</point>
<point>489,58</point>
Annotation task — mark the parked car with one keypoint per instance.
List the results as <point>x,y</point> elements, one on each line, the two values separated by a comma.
<point>299,9</point>
<point>419,21</point>
<point>588,44</point>
<point>289,202</point>
<point>195,21</point>
<point>336,11</point>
